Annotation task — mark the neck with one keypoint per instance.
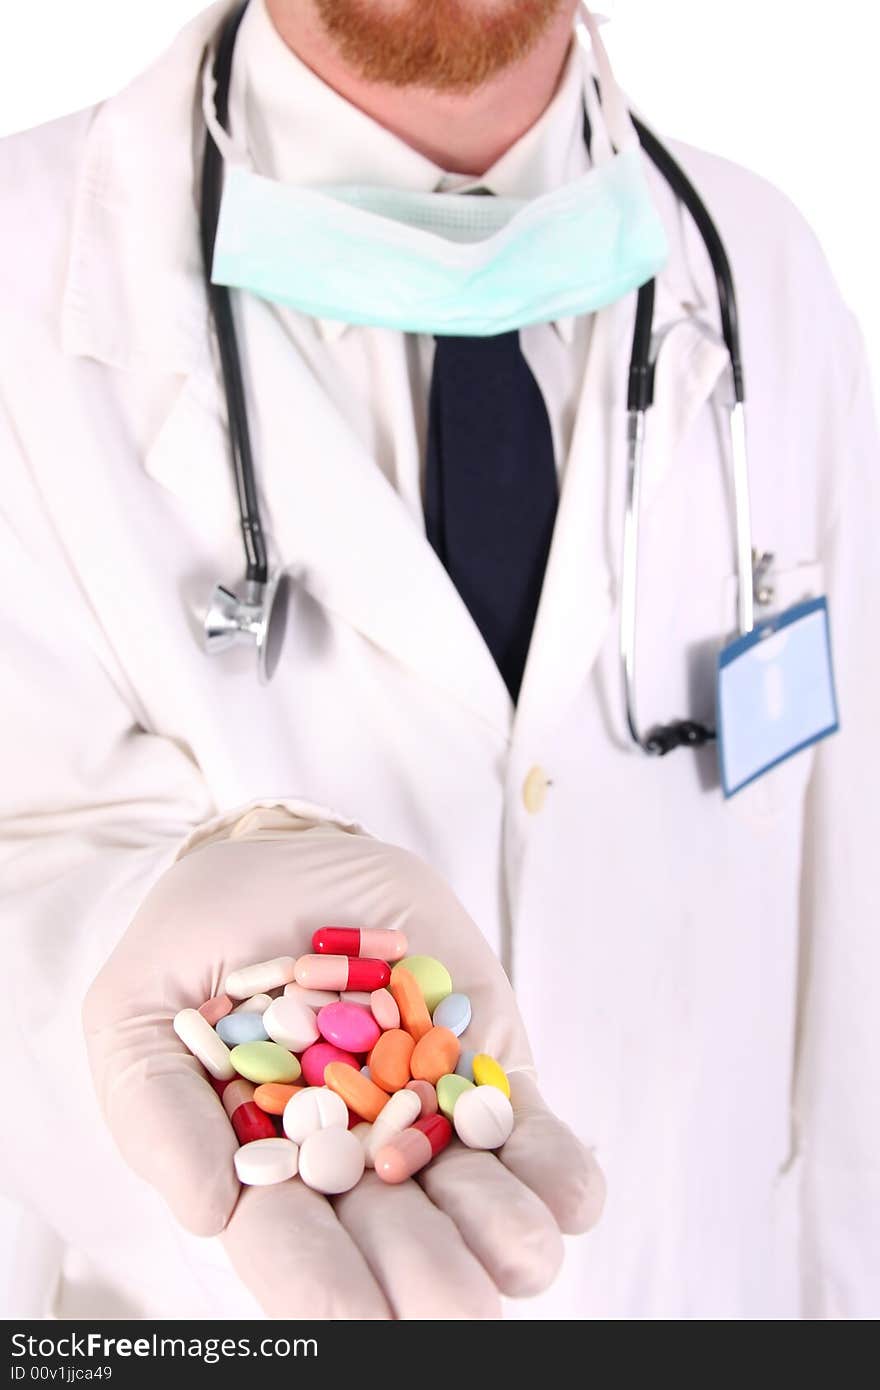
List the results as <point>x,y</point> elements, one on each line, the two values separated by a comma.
<point>462,132</point>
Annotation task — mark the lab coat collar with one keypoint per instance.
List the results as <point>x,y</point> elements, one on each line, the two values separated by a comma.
<point>135,299</point>
<point>134,295</point>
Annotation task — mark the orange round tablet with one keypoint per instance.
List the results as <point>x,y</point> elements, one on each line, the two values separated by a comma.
<point>361,1095</point>
<point>408,997</point>
<point>436,1053</point>
<point>389,1059</point>
<point>272,1096</point>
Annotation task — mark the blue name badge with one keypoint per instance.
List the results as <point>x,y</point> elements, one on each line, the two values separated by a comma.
<point>775,693</point>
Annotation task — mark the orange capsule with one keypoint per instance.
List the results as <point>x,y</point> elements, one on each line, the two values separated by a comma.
<point>272,1096</point>
<point>436,1053</point>
<point>360,1094</point>
<point>410,1001</point>
<point>389,1059</point>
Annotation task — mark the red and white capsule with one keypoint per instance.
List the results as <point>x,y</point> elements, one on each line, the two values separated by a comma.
<point>413,1149</point>
<point>341,972</point>
<point>376,942</point>
<point>248,1120</point>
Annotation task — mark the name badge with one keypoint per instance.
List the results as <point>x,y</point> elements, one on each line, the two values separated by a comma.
<point>775,693</point>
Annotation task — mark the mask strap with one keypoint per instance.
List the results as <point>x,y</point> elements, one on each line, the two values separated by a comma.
<point>617,119</point>
<point>601,149</point>
<point>234,155</point>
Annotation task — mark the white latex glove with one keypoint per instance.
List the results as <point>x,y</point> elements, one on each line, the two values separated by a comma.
<point>473,1225</point>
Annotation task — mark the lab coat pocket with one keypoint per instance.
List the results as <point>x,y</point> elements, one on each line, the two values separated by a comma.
<point>781,789</point>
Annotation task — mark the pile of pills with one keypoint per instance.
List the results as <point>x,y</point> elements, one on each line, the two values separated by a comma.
<point>346,1059</point>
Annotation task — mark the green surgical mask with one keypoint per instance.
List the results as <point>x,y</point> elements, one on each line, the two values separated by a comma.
<point>444,263</point>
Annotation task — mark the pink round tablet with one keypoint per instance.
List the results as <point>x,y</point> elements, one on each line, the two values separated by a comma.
<point>217,1007</point>
<point>426,1094</point>
<point>315,1059</point>
<point>348,1026</point>
<point>385,1010</point>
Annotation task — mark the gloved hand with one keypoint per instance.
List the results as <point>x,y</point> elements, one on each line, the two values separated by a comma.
<point>471,1226</point>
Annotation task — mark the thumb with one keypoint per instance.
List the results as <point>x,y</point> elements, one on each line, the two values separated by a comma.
<point>545,1155</point>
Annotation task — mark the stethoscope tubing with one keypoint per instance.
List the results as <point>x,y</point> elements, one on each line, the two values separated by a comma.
<point>640,397</point>
<point>244,472</point>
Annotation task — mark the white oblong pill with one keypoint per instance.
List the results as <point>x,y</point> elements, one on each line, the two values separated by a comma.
<point>196,1033</point>
<point>355,996</point>
<point>483,1118</point>
<point>317,1107</point>
<point>331,1160</point>
<point>257,1004</point>
<point>315,998</point>
<point>291,1023</point>
<point>396,1115</point>
<point>266,1161</point>
<point>361,1132</point>
<point>257,979</point>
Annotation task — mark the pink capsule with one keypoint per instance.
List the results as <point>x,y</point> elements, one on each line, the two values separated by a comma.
<point>411,1150</point>
<point>341,972</point>
<point>348,941</point>
<point>216,1008</point>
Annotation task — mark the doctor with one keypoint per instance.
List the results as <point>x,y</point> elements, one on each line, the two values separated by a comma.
<point>443,746</point>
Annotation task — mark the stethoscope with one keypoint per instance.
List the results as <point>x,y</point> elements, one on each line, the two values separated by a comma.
<point>259,614</point>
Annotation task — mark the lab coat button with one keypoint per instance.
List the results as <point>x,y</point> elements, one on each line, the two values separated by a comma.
<point>535,790</point>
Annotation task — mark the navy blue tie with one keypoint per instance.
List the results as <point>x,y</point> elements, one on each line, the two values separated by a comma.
<point>490,489</point>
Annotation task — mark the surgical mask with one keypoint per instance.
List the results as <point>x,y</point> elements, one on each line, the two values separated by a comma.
<point>446,263</point>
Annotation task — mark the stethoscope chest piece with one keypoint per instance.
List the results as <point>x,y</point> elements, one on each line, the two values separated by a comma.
<point>258,618</point>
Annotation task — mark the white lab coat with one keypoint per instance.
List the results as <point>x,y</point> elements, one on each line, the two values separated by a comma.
<point>698,977</point>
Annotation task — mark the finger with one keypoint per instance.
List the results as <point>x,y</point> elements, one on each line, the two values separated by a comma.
<point>287,1245</point>
<point>544,1154</point>
<point>416,1252</point>
<point>508,1228</point>
<point>167,1120</point>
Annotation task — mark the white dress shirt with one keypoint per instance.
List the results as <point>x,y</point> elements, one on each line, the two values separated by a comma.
<point>299,130</point>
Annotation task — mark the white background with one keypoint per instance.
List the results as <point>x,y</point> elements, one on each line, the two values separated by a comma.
<point>787,87</point>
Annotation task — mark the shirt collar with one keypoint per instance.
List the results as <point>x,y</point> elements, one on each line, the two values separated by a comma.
<point>297,129</point>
